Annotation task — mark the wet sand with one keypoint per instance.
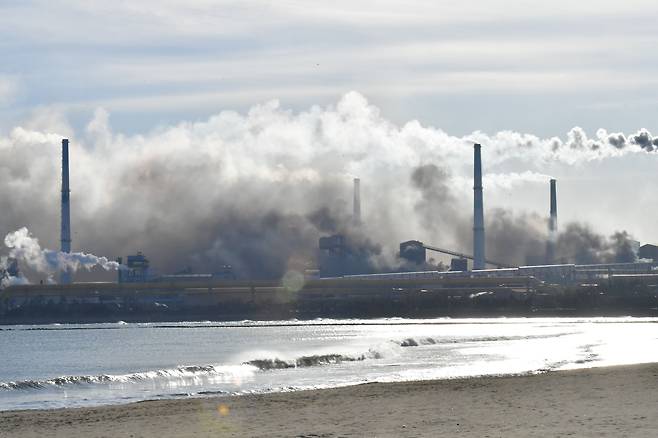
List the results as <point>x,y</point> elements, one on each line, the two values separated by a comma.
<point>614,402</point>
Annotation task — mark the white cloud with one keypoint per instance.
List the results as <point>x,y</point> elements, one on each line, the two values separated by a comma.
<point>163,56</point>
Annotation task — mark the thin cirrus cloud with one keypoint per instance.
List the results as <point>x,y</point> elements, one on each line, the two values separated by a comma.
<point>454,55</point>
<point>189,60</point>
<point>8,90</point>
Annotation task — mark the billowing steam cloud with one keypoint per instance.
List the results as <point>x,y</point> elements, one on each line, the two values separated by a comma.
<point>26,250</point>
<point>257,190</point>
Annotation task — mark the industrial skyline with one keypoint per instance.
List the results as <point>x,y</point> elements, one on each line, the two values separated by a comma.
<point>616,274</point>
<point>346,252</point>
<point>212,211</point>
<point>123,178</point>
<point>236,143</point>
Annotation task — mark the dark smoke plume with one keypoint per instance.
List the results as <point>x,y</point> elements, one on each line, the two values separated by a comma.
<point>515,239</point>
<point>644,140</point>
<point>511,239</point>
<point>577,243</point>
<point>437,208</point>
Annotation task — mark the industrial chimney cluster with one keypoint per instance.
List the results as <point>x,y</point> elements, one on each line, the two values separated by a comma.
<point>479,258</point>
<point>337,250</point>
<point>349,282</point>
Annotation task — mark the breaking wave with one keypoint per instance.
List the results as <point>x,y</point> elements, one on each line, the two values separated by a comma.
<point>191,372</point>
<point>412,342</point>
<point>194,374</point>
<point>309,361</point>
<point>182,372</point>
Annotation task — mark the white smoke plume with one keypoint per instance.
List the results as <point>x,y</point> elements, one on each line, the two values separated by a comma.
<point>9,278</point>
<point>256,190</point>
<point>26,249</point>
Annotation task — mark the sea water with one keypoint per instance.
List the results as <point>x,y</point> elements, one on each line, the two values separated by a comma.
<point>52,366</point>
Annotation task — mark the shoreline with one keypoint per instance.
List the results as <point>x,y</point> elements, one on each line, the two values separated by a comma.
<point>337,320</point>
<point>613,401</point>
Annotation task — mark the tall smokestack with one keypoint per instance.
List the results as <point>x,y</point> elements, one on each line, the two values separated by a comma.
<point>552,225</point>
<point>478,211</point>
<point>65,277</point>
<point>357,201</point>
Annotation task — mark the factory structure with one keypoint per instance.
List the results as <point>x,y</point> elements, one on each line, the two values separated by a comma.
<point>346,282</point>
<point>415,252</point>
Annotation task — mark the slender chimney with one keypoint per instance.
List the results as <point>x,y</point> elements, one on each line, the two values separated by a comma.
<point>65,277</point>
<point>552,226</point>
<point>478,211</point>
<point>357,201</point>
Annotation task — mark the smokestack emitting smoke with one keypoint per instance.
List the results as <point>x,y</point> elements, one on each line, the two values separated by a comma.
<point>357,201</point>
<point>65,277</point>
<point>478,211</point>
<point>552,225</point>
<point>26,249</point>
<point>281,180</point>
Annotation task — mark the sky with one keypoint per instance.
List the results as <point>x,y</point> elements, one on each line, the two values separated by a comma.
<point>540,67</point>
<point>137,76</point>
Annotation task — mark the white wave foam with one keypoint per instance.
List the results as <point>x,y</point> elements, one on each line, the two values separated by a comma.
<point>309,361</point>
<point>226,372</point>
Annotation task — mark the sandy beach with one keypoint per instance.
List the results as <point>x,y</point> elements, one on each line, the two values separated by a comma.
<point>615,402</point>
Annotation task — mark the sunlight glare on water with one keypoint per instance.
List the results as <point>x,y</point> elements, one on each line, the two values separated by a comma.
<point>84,365</point>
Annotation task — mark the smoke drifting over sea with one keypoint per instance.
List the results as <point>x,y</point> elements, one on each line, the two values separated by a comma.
<point>257,190</point>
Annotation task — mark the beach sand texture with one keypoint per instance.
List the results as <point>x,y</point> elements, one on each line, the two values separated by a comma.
<point>601,402</point>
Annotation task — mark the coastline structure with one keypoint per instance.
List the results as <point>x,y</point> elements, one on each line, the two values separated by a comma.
<point>564,290</point>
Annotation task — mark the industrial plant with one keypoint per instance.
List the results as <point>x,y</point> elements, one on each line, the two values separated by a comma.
<point>346,282</point>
